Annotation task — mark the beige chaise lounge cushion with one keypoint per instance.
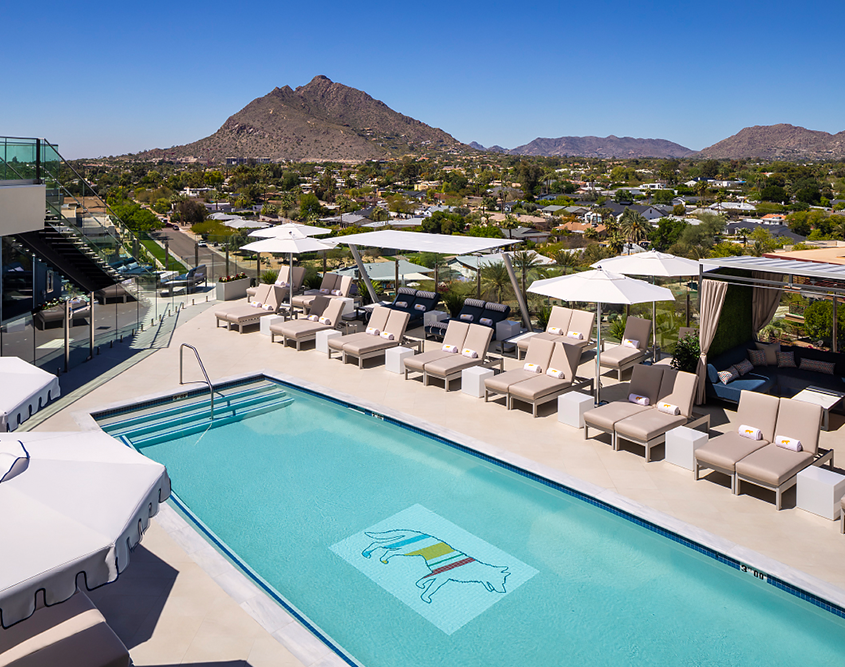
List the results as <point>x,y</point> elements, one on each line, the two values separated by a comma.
<point>565,357</point>
<point>645,381</point>
<point>582,321</point>
<point>378,320</point>
<point>396,323</point>
<point>329,282</point>
<point>636,328</point>
<point>300,329</point>
<point>724,451</point>
<point>455,335</point>
<point>539,352</point>
<point>677,388</point>
<point>245,313</point>
<point>261,294</point>
<point>477,339</point>
<point>773,465</point>
<point>559,317</point>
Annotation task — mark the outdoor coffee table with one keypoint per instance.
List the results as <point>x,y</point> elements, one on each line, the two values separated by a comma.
<point>826,398</point>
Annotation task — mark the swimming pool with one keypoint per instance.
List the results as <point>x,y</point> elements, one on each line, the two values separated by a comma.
<point>316,495</point>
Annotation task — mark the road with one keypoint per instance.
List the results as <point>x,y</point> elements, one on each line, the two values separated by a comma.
<point>183,244</point>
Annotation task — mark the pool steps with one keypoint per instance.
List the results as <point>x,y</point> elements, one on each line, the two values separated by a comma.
<point>189,415</point>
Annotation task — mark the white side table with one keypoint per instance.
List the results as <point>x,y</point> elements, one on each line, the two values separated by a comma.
<point>819,491</point>
<point>348,305</point>
<point>571,407</point>
<point>322,339</point>
<point>681,443</point>
<point>265,322</point>
<point>472,380</point>
<point>394,359</point>
<point>433,316</point>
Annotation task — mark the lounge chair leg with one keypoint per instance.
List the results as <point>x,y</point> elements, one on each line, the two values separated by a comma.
<point>534,410</point>
<point>586,428</point>
<point>734,485</point>
<point>778,498</point>
<point>695,470</point>
<point>425,379</point>
<point>619,372</point>
<point>360,363</point>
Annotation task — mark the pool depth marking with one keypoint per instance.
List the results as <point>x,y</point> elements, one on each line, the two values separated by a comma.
<point>437,553</point>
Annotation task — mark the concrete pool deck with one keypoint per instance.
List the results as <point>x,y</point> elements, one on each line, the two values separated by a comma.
<point>170,610</point>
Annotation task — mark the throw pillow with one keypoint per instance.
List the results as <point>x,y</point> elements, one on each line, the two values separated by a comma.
<point>486,321</point>
<point>466,317</point>
<point>771,351</point>
<point>786,359</point>
<point>401,304</point>
<point>744,367</point>
<point>757,357</point>
<point>728,374</point>
<point>817,365</point>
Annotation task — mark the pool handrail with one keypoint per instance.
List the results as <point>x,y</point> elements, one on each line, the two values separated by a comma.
<point>202,368</point>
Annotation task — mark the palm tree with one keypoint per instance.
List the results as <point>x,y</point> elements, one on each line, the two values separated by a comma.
<point>634,226</point>
<point>528,262</point>
<point>565,260</point>
<point>510,223</point>
<point>495,280</point>
<point>701,189</point>
<point>616,242</point>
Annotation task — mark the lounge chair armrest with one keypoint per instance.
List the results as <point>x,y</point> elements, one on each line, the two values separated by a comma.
<point>697,420</point>
<point>490,362</point>
<point>824,456</point>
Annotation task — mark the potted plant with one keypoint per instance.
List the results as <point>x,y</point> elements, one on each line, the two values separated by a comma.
<point>687,352</point>
<point>232,287</point>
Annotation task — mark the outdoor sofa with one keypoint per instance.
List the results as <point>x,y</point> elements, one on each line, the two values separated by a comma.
<point>811,367</point>
<point>414,302</point>
<point>473,311</point>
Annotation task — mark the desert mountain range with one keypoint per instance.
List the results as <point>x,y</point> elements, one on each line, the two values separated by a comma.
<point>328,121</point>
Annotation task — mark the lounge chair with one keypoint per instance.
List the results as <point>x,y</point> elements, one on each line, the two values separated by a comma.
<point>414,302</point>
<point>377,322</point>
<point>455,336</point>
<point>622,357</point>
<point>197,275</point>
<point>648,428</point>
<point>776,468</point>
<point>329,282</point>
<point>301,331</point>
<point>473,353</point>
<point>543,388</point>
<point>842,515</point>
<point>722,453</point>
<point>539,353</point>
<point>284,280</point>
<point>645,381</point>
<point>390,335</point>
<point>558,321</point>
<point>267,301</point>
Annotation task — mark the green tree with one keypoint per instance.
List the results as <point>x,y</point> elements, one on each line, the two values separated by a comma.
<point>634,226</point>
<point>566,260</point>
<point>666,233</point>
<point>161,206</point>
<point>528,263</point>
<point>495,281</point>
<point>309,206</point>
<point>663,196</point>
<point>818,321</point>
<point>529,174</point>
<point>213,179</point>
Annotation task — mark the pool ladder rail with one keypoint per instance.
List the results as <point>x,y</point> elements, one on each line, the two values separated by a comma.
<point>202,368</point>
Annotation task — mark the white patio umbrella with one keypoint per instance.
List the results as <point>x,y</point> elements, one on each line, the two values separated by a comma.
<point>291,242</point>
<point>72,503</point>
<point>284,228</point>
<point>651,263</point>
<point>600,286</point>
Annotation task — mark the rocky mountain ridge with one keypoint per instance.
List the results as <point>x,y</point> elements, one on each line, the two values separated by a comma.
<point>779,142</point>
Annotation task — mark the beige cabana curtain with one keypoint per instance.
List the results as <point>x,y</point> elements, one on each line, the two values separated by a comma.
<point>712,299</point>
<point>765,300</point>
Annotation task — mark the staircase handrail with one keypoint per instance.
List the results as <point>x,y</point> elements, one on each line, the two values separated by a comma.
<point>202,368</point>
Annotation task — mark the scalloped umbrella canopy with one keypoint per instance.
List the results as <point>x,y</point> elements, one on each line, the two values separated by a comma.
<point>600,286</point>
<point>651,263</point>
<point>73,503</point>
<point>281,230</point>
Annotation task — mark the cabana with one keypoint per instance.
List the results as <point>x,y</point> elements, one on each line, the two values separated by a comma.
<point>436,243</point>
<point>768,277</point>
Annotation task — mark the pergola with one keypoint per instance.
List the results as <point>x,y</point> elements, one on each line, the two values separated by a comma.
<point>436,243</point>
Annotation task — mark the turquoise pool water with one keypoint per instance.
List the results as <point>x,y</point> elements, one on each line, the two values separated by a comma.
<point>355,520</point>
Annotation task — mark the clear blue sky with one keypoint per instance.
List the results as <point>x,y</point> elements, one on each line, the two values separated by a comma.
<point>110,78</point>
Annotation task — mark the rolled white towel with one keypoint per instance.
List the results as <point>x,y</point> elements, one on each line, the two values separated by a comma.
<point>453,349</point>
<point>313,318</point>
<point>792,444</point>
<point>373,331</point>
<point>337,292</point>
<point>532,368</point>
<point>267,307</point>
<point>325,320</point>
<point>668,408</point>
<point>639,400</point>
<point>486,321</point>
<point>555,373</point>
<point>577,335</point>
<point>631,342</point>
<point>557,331</point>
<point>386,335</point>
<point>469,354</point>
<point>750,432</point>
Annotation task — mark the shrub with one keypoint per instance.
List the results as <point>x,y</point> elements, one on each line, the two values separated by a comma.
<point>617,328</point>
<point>269,277</point>
<point>687,352</point>
<point>818,321</point>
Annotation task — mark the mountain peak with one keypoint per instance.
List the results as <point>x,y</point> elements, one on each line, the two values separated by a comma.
<point>780,142</point>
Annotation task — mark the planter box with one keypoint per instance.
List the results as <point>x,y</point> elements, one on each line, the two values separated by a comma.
<point>236,289</point>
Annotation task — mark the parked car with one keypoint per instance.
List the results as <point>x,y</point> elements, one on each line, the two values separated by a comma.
<point>202,244</point>
<point>172,225</point>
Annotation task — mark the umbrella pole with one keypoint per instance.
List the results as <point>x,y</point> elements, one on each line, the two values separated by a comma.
<point>396,276</point>
<point>290,284</point>
<point>653,327</point>
<point>598,354</point>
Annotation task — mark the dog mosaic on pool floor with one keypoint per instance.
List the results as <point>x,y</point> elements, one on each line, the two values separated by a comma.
<point>435,552</point>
